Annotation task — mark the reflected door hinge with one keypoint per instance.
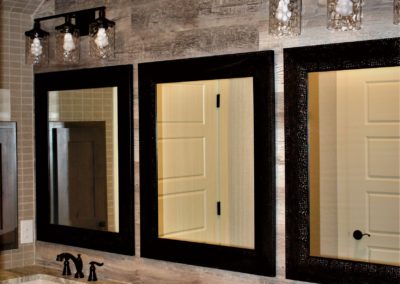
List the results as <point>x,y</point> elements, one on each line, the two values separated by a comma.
<point>218,100</point>
<point>219,208</point>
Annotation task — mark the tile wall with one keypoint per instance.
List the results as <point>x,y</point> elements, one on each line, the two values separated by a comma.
<point>16,79</point>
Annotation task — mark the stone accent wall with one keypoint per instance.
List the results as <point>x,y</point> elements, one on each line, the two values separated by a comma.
<point>153,30</point>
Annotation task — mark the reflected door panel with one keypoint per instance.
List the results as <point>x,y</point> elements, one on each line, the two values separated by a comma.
<point>369,163</point>
<point>354,132</point>
<point>186,161</point>
<point>79,185</point>
<point>205,161</point>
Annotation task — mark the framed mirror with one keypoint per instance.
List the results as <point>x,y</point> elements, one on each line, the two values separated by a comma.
<point>84,158</point>
<point>207,161</point>
<point>8,185</point>
<point>342,129</point>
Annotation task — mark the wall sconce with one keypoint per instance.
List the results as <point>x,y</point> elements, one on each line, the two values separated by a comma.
<point>285,17</point>
<point>396,12</point>
<point>36,45</point>
<point>67,50</point>
<point>102,34</point>
<point>67,42</point>
<point>344,15</point>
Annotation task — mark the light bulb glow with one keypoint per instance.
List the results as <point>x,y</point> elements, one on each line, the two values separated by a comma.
<point>344,7</point>
<point>101,38</point>
<point>36,47</point>
<point>282,12</point>
<point>69,44</point>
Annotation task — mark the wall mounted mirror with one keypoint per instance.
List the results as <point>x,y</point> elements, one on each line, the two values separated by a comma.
<point>342,130</point>
<point>84,158</point>
<point>8,186</point>
<point>208,162</point>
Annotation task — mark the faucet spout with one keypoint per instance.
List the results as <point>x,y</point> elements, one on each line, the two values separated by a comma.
<point>76,260</point>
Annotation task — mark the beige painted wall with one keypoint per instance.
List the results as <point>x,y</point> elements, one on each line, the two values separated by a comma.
<point>323,173</point>
<point>150,30</point>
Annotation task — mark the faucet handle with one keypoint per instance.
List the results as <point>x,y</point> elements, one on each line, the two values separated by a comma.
<point>79,267</point>
<point>92,273</point>
<point>66,269</point>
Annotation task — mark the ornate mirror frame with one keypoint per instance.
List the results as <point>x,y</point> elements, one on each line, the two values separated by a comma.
<point>260,66</point>
<point>121,242</point>
<point>298,62</point>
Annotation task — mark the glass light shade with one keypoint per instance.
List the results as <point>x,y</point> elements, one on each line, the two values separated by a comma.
<point>67,43</point>
<point>396,12</point>
<point>102,37</point>
<point>285,17</point>
<point>37,46</point>
<point>344,15</point>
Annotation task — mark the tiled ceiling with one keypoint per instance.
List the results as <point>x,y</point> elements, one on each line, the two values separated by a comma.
<point>20,6</point>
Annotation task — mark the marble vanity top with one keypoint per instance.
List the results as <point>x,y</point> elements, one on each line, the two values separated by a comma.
<point>42,275</point>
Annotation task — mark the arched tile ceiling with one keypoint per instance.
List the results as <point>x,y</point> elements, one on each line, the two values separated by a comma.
<point>20,6</point>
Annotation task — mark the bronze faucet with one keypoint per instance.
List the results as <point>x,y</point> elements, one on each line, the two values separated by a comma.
<point>77,261</point>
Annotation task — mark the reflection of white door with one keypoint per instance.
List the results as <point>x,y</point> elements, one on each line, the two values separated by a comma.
<point>205,157</point>
<point>187,160</point>
<point>369,164</point>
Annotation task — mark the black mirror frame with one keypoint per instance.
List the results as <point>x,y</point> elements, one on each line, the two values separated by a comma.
<point>121,242</point>
<point>298,62</point>
<point>260,66</point>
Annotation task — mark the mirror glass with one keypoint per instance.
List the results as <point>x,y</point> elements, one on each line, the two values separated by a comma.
<point>205,149</point>
<point>342,129</point>
<point>8,185</point>
<point>207,161</point>
<point>84,158</point>
<point>354,164</point>
<point>83,153</point>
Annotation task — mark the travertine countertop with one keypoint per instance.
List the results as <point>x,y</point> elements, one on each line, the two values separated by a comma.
<point>30,273</point>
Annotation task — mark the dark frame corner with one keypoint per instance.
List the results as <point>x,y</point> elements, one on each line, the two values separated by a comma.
<point>260,66</point>
<point>298,62</point>
<point>113,76</point>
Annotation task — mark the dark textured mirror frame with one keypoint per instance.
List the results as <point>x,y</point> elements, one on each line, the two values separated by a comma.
<point>121,77</point>
<point>298,62</point>
<point>260,66</point>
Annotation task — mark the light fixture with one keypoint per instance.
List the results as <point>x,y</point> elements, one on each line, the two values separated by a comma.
<point>67,42</point>
<point>285,17</point>
<point>77,24</point>
<point>396,12</point>
<point>344,15</point>
<point>36,45</point>
<point>102,34</point>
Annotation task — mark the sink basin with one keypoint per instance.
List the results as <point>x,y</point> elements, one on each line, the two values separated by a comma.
<point>46,279</point>
<point>40,281</point>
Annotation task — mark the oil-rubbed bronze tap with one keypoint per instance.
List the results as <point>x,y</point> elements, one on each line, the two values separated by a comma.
<point>77,261</point>
<point>92,274</point>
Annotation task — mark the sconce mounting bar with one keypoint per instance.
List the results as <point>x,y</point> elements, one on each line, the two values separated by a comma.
<point>82,18</point>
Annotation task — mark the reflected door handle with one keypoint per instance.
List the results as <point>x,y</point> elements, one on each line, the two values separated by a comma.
<point>358,235</point>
